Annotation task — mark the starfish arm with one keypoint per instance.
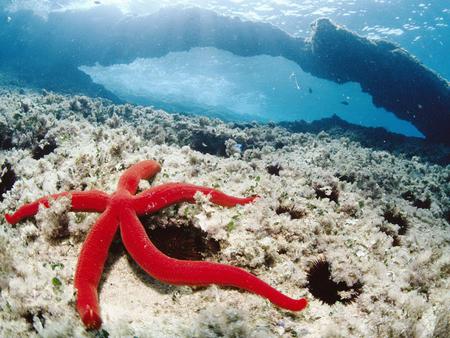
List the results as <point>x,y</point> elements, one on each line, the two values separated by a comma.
<point>143,170</point>
<point>93,200</point>
<point>163,195</point>
<point>180,272</point>
<point>90,265</point>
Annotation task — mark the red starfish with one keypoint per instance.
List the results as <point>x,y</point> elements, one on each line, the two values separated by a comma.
<point>122,209</point>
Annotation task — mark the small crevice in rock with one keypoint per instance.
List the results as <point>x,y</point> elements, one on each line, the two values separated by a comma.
<point>25,106</point>
<point>208,143</point>
<point>279,145</point>
<point>7,179</point>
<point>59,231</point>
<point>39,151</point>
<point>274,169</point>
<point>421,203</point>
<point>181,241</point>
<point>269,261</point>
<point>394,217</point>
<point>6,139</point>
<point>408,195</point>
<point>391,233</point>
<point>447,216</point>
<point>331,192</point>
<point>293,213</point>
<point>282,251</point>
<point>346,178</point>
<point>322,287</point>
<point>29,318</point>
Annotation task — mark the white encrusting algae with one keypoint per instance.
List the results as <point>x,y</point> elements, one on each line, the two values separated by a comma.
<point>377,219</point>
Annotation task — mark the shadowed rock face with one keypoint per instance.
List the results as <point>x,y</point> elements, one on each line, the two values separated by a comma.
<point>47,54</point>
<point>395,79</point>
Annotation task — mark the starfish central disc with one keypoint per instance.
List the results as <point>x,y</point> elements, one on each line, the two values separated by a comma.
<point>121,199</point>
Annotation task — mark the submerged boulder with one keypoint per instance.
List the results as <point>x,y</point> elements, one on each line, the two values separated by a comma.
<point>395,79</point>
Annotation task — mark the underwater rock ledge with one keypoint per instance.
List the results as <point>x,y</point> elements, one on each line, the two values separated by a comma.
<point>393,77</point>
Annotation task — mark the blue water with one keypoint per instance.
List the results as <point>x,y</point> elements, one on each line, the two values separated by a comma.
<point>259,88</point>
<point>219,83</point>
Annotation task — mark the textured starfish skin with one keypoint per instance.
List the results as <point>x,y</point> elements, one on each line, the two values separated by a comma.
<point>121,210</point>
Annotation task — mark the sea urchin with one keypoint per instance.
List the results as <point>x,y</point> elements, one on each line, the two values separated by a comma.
<point>324,288</point>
